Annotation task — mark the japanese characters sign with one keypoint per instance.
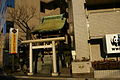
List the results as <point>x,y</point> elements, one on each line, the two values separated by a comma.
<point>13,40</point>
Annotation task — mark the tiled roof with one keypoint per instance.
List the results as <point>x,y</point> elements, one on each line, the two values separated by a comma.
<point>50,23</point>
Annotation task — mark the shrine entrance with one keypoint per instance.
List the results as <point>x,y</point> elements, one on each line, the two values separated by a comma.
<point>34,44</point>
<point>51,31</point>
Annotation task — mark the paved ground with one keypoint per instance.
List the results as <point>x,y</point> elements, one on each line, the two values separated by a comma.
<point>21,76</point>
<point>50,78</point>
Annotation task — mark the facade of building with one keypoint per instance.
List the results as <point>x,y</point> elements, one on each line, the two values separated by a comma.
<point>87,23</point>
<point>44,10</point>
<point>3,6</point>
<point>93,21</point>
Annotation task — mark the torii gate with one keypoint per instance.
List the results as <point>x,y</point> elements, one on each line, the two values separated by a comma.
<point>55,73</point>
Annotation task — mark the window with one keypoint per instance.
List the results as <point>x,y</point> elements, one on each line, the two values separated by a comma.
<point>10,3</point>
<point>9,25</point>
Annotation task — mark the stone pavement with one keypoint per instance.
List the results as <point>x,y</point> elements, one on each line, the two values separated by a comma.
<point>22,76</point>
<point>50,78</point>
<point>60,78</point>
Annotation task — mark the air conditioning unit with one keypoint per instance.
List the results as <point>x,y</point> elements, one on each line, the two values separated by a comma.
<point>112,43</point>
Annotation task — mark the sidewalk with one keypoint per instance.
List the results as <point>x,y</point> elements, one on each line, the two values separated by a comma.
<point>59,78</point>
<point>21,76</point>
<point>38,76</point>
<point>50,78</point>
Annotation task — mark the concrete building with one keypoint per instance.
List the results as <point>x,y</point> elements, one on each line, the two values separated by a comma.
<point>92,21</point>
<point>42,9</point>
<point>3,8</point>
<point>88,22</point>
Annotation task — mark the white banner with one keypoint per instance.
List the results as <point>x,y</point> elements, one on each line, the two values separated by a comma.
<point>112,43</point>
<point>13,41</point>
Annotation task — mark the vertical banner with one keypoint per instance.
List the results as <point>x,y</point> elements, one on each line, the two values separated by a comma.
<point>13,41</point>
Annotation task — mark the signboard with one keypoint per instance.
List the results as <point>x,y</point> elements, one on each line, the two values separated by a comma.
<point>112,42</point>
<point>13,40</point>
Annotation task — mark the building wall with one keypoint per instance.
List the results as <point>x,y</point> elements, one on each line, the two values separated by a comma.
<point>102,22</point>
<point>2,26</point>
<point>49,7</point>
<point>96,50</point>
<point>52,7</point>
<point>80,29</point>
<point>1,49</point>
<point>28,4</point>
<point>99,23</point>
<point>3,7</point>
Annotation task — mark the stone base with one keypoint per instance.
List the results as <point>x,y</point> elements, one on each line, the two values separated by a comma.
<point>30,74</point>
<point>55,74</point>
<point>81,67</point>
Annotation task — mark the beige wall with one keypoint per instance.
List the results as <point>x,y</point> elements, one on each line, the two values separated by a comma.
<point>80,29</point>
<point>1,49</point>
<point>35,20</point>
<point>49,7</point>
<point>95,52</point>
<point>50,12</point>
<point>104,22</point>
<point>28,4</point>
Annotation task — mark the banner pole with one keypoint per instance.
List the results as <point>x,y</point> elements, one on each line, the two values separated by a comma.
<point>13,63</point>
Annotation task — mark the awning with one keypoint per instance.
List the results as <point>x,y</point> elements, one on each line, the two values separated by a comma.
<point>50,23</point>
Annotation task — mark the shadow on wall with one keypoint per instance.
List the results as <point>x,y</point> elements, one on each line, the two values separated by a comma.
<point>53,5</point>
<point>100,42</point>
<point>103,54</point>
<point>102,4</point>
